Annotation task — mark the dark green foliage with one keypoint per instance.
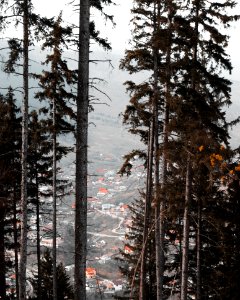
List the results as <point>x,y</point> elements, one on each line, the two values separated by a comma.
<point>39,160</point>
<point>220,238</point>
<point>38,28</point>
<point>57,83</point>
<point>95,34</point>
<point>191,58</point>
<point>64,288</point>
<point>10,136</point>
<point>129,262</point>
<point>10,177</point>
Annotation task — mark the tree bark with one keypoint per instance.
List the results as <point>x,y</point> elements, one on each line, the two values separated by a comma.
<point>82,152</point>
<point>159,250</point>
<point>23,248</point>
<point>54,193</point>
<point>2,251</point>
<point>16,246</point>
<point>162,207</point>
<point>39,279</point>
<point>199,223</point>
<point>185,246</point>
<point>147,210</point>
<point>185,251</point>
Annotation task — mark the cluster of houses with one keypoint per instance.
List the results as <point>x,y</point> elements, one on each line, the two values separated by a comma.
<point>103,190</point>
<point>95,283</point>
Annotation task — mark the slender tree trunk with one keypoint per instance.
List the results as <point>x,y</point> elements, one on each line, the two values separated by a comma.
<point>2,253</point>
<point>16,246</point>
<point>39,279</point>
<point>163,204</point>
<point>82,152</point>
<point>147,211</point>
<point>159,250</point>
<point>23,248</point>
<point>150,271</point>
<point>185,246</point>
<point>54,191</point>
<point>185,251</point>
<point>199,223</point>
<point>160,258</point>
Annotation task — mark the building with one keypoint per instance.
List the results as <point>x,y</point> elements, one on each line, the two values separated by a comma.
<point>127,250</point>
<point>91,273</point>
<point>102,192</point>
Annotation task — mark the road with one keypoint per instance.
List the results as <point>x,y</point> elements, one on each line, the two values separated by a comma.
<point>106,235</point>
<point>121,220</point>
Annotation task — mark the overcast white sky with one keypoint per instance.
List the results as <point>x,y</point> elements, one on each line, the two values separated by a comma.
<point>120,35</point>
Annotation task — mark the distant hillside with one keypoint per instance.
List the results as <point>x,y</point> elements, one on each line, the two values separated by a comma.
<point>106,115</point>
<point>116,91</point>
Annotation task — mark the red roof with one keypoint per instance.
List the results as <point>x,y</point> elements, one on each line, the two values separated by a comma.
<point>103,190</point>
<point>91,271</point>
<point>128,249</point>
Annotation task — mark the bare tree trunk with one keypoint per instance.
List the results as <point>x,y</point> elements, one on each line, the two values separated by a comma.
<point>163,203</point>
<point>160,218</point>
<point>199,223</point>
<point>142,287</point>
<point>82,152</point>
<point>184,275</point>
<point>159,265</point>
<point>185,246</point>
<point>23,248</point>
<point>15,236</point>
<point>39,279</point>
<point>2,251</point>
<point>149,270</point>
<point>54,193</point>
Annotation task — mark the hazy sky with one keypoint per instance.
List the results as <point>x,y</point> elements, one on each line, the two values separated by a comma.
<point>121,11</point>
<point>120,35</point>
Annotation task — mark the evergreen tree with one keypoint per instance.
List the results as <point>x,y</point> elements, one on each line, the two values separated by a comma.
<point>130,257</point>
<point>39,164</point>
<point>9,165</point>
<point>22,11</point>
<point>54,84</point>
<point>64,288</point>
<point>187,67</point>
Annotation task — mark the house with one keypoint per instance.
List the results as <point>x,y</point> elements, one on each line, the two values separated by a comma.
<point>91,273</point>
<point>122,188</point>
<point>48,242</point>
<point>102,192</point>
<point>101,179</point>
<point>110,287</point>
<point>92,199</point>
<point>123,208</point>
<point>107,207</point>
<point>127,250</point>
<point>104,258</point>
